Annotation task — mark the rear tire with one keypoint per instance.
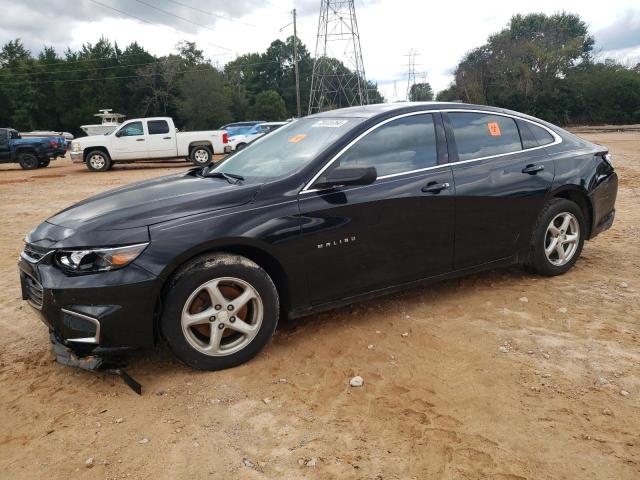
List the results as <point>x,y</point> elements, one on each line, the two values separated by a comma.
<point>28,161</point>
<point>219,311</point>
<point>240,146</point>
<point>98,161</point>
<point>201,156</point>
<point>557,239</point>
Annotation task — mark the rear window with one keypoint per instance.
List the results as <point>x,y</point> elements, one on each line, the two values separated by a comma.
<point>157,127</point>
<point>542,136</point>
<point>480,135</point>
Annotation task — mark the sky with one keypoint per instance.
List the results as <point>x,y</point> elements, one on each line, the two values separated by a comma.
<point>440,32</point>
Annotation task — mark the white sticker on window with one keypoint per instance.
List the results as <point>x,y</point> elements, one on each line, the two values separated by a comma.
<point>329,123</point>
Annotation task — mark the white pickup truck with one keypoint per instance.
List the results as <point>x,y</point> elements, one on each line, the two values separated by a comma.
<point>147,139</point>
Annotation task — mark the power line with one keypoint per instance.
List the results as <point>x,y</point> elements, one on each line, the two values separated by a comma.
<point>166,12</point>
<point>79,80</point>
<point>234,67</point>
<point>122,12</point>
<point>159,62</point>
<point>210,13</point>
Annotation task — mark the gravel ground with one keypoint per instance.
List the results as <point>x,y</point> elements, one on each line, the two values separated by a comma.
<point>500,375</point>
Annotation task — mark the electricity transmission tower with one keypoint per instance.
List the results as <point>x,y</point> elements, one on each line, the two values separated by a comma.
<point>411,72</point>
<point>333,86</point>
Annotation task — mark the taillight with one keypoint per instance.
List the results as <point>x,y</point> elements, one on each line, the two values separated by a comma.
<point>53,143</point>
<point>225,137</point>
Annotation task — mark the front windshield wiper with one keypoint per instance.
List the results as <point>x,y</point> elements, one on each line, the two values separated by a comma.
<point>229,177</point>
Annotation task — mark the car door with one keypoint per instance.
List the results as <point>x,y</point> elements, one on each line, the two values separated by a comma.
<point>501,186</point>
<point>398,229</point>
<point>160,141</point>
<point>5,150</point>
<point>129,142</point>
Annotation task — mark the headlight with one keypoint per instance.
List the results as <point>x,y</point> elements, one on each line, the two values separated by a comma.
<point>608,158</point>
<point>99,259</point>
<point>75,147</point>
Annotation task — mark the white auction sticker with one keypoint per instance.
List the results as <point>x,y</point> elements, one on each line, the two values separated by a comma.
<point>329,123</point>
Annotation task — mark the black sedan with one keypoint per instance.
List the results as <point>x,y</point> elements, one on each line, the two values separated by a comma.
<point>328,210</point>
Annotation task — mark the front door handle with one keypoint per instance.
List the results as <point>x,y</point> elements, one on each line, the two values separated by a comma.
<point>166,138</point>
<point>532,169</point>
<point>139,139</point>
<point>434,187</point>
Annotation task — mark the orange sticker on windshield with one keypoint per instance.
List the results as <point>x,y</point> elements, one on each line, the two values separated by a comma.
<point>494,129</point>
<point>297,138</point>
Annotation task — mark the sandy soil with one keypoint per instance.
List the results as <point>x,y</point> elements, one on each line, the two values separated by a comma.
<point>500,375</point>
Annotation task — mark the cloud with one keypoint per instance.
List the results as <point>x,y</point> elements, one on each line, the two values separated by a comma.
<point>623,33</point>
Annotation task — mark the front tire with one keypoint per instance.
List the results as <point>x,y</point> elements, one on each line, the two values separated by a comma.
<point>45,163</point>
<point>28,161</point>
<point>201,156</point>
<point>98,161</point>
<point>220,310</point>
<point>557,239</point>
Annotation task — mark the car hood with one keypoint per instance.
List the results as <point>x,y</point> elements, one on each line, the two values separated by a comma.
<point>91,139</point>
<point>154,201</point>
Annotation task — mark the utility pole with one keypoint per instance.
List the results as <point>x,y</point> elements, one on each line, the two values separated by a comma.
<point>295,62</point>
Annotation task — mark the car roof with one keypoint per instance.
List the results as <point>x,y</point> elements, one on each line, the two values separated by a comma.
<point>369,111</point>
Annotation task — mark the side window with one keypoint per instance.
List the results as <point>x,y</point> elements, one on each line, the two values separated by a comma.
<point>157,127</point>
<point>542,136</point>
<point>4,137</point>
<point>402,145</point>
<point>132,129</point>
<point>481,135</point>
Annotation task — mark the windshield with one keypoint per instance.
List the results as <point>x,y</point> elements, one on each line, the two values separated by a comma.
<point>231,131</point>
<point>285,150</point>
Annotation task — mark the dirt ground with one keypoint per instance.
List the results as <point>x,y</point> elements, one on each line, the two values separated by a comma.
<point>500,375</point>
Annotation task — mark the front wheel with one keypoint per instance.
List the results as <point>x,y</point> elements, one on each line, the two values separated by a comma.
<point>45,163</point>
<point>201,156</point>
<point>220,310</point>
<point>98,161</point>
<point>557,239</point>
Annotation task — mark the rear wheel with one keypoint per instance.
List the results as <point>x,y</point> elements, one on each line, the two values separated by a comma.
<point>557,239</point>
<point>201,156</point>
<point>220,310</point>
<point>28,161</point>
<point>240,146</point>
<point>98,161</point>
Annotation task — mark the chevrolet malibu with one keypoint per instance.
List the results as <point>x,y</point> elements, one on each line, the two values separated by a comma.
<point>328,210</point>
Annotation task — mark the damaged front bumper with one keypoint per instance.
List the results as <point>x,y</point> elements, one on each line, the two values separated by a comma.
<point>95,363</point>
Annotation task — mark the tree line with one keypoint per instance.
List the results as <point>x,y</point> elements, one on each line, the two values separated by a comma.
<point>53,92</point>
<point>544,65</point>
<point>539,64</point>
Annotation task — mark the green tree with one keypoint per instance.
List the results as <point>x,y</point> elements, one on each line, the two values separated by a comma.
<point>421,92</point>
<point>269,106</point>
<point>202,102</point>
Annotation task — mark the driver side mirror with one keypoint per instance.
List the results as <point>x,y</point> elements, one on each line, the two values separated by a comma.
<point>347,176</point>
<point>119,133</point>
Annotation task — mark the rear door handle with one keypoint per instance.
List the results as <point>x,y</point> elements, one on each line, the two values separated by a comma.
<point>139,139</point>
<point>166,138</point>
<point>532,169</point>
<point>434,187</point>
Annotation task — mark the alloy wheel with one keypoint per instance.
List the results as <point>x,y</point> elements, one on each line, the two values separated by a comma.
<point>222,316</point>
<point>562,239</point>
<point>97,161</point>
<point>201,156</point>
